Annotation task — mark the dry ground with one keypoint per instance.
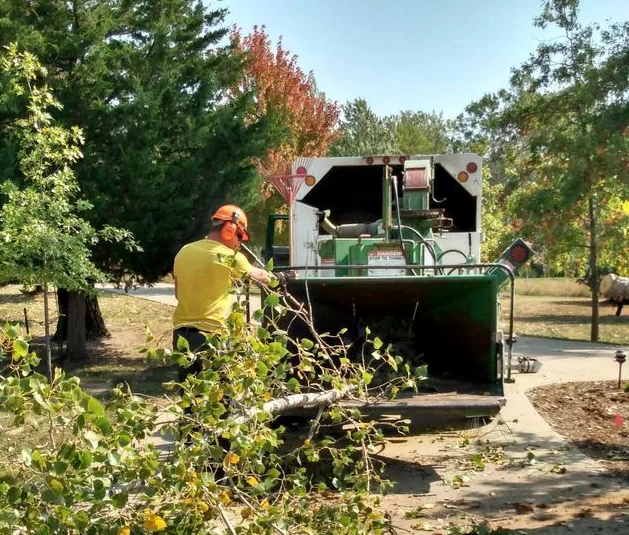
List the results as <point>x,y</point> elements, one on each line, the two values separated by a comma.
<point>480,480</point>
<point>584,413</point>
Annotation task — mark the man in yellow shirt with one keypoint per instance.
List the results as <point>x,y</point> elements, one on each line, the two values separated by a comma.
<point>204,272</point>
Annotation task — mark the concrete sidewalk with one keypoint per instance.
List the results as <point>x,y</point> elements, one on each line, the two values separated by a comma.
<point>159,292</point>
<point>562,362</point>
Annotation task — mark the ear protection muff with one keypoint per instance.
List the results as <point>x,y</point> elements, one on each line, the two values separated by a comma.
<point>229,228</point>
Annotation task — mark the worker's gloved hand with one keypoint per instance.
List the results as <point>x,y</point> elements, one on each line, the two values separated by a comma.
<point>285,276</point>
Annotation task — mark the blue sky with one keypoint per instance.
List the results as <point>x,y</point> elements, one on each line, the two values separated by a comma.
<point>428,55</point>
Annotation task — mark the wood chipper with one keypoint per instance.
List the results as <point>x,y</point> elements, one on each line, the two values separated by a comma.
<point>393,243</point>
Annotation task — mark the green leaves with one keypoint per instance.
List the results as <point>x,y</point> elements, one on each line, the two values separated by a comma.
<point>20,348</point>
<point>93,406</point>
<point>100,451</point>
<point>364,133</point>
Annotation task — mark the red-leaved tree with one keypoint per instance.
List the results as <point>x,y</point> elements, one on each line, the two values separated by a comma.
<point>283,89</point>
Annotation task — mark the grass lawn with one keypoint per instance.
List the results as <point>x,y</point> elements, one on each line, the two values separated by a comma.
<point>113,359</point>
<point>561,308</point>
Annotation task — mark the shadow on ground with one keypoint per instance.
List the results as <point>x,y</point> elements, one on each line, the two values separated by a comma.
<point>408,477</point>
<point>547,489</point>
<point>107,367</point>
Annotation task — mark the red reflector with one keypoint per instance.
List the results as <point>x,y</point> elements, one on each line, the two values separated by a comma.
<point>519,254</point>
<point>402,159</point>
<point>471,167</point>
<point>386,160</point>
<point>369,160</point>
<point>301,170</point>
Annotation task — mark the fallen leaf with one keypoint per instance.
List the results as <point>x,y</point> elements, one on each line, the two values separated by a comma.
<point>618,421</point>
<point>523,508</point>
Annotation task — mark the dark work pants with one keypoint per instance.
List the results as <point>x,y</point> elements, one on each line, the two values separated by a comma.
<point>196,341</point>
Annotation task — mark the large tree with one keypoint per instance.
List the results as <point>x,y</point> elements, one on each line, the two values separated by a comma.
<point>147,83</point>
<point>165,140</point>
<point>564,122</point>
<point>282,89</point>
<point>419,132</point>
<point>363,132</point>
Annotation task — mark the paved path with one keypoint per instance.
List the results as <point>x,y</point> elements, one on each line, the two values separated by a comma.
<point>562,362</point>
<point>160,292</point>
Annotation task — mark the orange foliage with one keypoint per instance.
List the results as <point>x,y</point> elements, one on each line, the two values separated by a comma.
<point>282,88</point>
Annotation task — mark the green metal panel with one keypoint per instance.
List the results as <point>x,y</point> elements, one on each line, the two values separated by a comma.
<point>336,250</point>
<point>341,250</point>
<point>453,319</point>
<point>416,200</point>
<point>414,252</point>
<point>358,256</point>
<point>355,252</point>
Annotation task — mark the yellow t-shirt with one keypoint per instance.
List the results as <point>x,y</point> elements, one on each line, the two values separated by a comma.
<point>204,271</point>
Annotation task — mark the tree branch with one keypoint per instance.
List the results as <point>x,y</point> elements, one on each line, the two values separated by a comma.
<point>280,405</point>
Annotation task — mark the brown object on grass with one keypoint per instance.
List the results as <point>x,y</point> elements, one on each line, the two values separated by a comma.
<point>616,290</point>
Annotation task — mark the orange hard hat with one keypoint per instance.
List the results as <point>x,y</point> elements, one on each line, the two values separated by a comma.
<point>233,214</point>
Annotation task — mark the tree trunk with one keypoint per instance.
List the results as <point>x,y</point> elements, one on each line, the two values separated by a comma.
<point>80,319</point>
<point>292,401</point>
<point>94,322</point>
<point>61,334</point>
<point>593,269</point>
<point>47,335</point>
<point>76,348</point>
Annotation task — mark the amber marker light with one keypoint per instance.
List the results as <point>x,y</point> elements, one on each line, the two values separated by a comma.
<point>462,176</point>
<point>310,180</point>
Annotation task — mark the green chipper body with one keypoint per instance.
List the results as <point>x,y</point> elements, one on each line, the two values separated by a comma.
<point>393,244</point>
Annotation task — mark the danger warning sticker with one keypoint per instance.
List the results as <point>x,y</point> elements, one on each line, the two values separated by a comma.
<point>377,259</point>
